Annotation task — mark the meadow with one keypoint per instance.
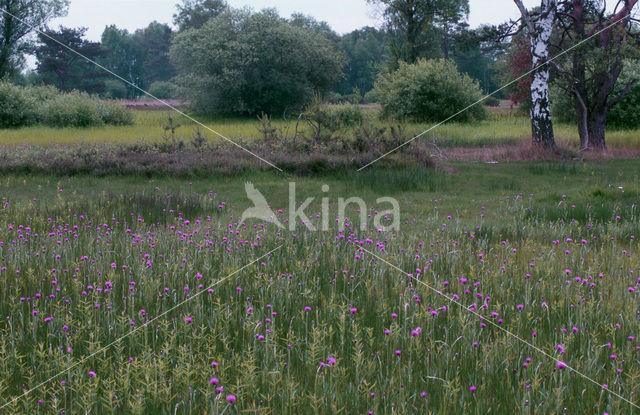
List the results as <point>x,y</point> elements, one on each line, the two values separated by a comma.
<point>504,126</point>
<point>136,294</point>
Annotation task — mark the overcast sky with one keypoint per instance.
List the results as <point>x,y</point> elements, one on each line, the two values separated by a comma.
<point>343,15</point>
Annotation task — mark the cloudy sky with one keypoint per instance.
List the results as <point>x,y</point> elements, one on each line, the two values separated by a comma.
<point>343,15</point>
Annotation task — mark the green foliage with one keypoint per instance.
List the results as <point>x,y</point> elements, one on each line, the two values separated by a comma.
<point>193,14</point>
<point>18,20</point>
<point>67,71</point>
<point>429,90</point>
<point>114,114</point>
<point>141,58</point>
<point>491,101</point>
<point>74,109</point>
<point>121,56</point>
<point>622,116</point>
<point>41,93</point>
<point>626,114</point>
<point>421,28</point>
<point>247,63</point>
<point>16,107</point>
<point>23,106</point>
<point>115,89</point>
<point>371,97</point>
<point>152,46</point>
<point>163,89</point>
<point>366,52</point>
<point>348,115</point>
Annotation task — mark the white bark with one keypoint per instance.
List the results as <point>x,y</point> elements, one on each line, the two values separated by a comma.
<point>540,34</point>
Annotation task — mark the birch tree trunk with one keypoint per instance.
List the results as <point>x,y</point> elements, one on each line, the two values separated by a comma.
<point>540,35</point>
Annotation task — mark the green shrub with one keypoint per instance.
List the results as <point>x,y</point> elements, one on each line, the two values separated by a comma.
<point>491,102</point>
<point>164,90</point>
<point>41,93</point>
<point>74,109</point>
<point>347,115</point>
<point>429,90</point>
<point>371,97</point>
<point>115,114</point>
<point>24,106</point>
<point>115,89</point>
<point>334,117</point>
<point>17,108</point>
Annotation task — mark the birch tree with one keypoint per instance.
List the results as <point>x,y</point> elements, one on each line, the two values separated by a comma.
<point>540,27</point>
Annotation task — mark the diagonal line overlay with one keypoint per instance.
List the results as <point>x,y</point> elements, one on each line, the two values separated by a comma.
<point>497,326</point>
<point>84,359</point>
<point>564,52</point>
<point>163,102</point>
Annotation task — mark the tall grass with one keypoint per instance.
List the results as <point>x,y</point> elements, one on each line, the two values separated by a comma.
<point>320,326</point>
<point>149,127</point>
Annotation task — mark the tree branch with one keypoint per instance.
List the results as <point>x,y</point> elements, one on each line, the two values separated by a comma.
<point>525,16</point>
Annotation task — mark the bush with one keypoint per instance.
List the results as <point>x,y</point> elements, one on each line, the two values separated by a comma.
<point>334,117</point>
<point>115,114</point>
<point>164,90</point>
<point>491,102</point>
<point>24,106</point>
<point>74,109</point>
<point>17,108</point>
<point>41,93</point>
<point>115,89</point>
<point>371,97</point>
<point>347,115</point>
<point>429,90</point>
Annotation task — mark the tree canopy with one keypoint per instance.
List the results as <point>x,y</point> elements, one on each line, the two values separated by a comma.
<point>421,28</point>
<point>59,66</point>
<point>193,14</point>
<point>17,23</point>
<point>242,62</point>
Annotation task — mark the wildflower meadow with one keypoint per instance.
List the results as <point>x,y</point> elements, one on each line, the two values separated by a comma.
<point>148,296</point>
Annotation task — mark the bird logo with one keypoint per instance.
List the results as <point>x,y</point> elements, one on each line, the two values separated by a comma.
<point>260,209</point>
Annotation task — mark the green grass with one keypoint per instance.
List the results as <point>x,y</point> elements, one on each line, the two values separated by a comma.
<point>489,224</point>
<point>149,127</point>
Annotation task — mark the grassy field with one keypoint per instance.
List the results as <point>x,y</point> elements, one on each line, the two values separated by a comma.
<point>547,251</point>
<point>503,127</point>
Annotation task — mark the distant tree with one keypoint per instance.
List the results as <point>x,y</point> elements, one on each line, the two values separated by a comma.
<point>366,50</point>
<point>14,31</point>
<point>304,21</point>
<point>153,44</point>
<point>141,58</point>
<point>193,14</point>
<point>247,63</point>
<point>67,70</point>
<point>121,55</point>
<point>477,52</point>
<point>421,28</point>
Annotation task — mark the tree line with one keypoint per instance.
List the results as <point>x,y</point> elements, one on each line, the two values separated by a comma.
<point>237,61</point>
<point>144,57</point>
